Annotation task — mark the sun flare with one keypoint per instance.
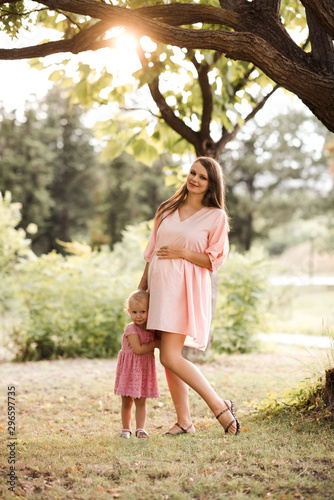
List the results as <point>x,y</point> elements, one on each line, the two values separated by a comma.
<point>122,60</point>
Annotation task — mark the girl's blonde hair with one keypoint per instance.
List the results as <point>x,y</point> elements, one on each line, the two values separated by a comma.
<point>139,296</point>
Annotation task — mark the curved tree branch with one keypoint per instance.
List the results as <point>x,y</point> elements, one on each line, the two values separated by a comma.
<point>166,111</point>
<point>229,135</point>
<point>323,10</point>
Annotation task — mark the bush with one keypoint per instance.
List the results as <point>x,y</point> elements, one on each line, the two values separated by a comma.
<point>242,303</point>
<point>14,248</point>
<point>76,307</point>
<point>61,306</point>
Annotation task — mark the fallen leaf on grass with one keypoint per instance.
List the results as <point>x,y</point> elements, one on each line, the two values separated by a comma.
<point>114,491</point>
<point>100,488</point>
<point>2,428</point>
<point>244,429</point>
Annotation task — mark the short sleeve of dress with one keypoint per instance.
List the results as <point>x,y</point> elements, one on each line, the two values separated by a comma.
<point>130,330</point>
<point>149,250</point>
<point>218,241</point>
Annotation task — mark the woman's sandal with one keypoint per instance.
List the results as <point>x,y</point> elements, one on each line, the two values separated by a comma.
<point>125,433</point>
<point>141,433</point>
<point>231,409</point>
<point>181,431</point>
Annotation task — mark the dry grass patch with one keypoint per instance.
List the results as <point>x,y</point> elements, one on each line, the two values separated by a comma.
<point>68,447</point>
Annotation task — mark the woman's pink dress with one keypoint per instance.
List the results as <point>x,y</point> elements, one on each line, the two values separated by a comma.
<point>136,374</point>
<point>180,292</point>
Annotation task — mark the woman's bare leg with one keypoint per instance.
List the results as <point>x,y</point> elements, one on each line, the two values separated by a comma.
<point>179,391</point>
<point>172,359</point>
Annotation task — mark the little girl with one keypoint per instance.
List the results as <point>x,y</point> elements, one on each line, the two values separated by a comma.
<point>136,377</point>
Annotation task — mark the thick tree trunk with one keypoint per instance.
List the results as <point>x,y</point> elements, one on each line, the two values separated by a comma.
<point>329,391</point>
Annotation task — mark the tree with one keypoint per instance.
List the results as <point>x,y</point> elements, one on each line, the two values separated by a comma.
<point>129,193</point>
<point>276,173</point>
<point>74,170</point>
<point>48,164</point>
<point>26,166</point>
<point>253,33</point>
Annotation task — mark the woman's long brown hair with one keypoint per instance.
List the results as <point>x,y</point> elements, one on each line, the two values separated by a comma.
<point>214,197</point>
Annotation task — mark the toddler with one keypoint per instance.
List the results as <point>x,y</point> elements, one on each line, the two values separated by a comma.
<point>136,377</point>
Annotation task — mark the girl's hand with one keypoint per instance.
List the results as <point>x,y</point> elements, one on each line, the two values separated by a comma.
<point>170,252</point>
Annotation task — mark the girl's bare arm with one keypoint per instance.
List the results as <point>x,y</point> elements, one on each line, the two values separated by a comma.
<point>140,348</point>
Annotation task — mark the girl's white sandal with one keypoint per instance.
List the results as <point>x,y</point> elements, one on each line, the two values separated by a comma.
<point>141,433</point>
<point>125,433</point>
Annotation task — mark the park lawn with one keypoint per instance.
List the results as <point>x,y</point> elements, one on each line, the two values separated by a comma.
<point>68,447</point>
<point>302,309</point>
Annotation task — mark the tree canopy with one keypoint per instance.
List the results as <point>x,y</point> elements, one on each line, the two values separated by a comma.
<point>257,34</point>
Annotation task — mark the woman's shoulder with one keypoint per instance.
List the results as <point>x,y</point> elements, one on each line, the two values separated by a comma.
<point>217,213</point>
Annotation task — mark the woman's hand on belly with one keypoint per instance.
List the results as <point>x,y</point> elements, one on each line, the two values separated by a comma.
<point>171,252</point>
<point>174,252</point>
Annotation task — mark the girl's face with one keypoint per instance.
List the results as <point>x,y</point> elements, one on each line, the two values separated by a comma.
<point>138,312</point>
<point>198,179</point>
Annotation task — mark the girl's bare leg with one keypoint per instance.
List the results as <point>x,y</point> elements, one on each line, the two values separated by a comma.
<point>179,391</point>
<point>127,402</point>
<point>172,359</point>
<point>140,412</point>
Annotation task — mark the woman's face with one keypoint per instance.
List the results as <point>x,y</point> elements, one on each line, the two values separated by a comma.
<point>198,179</point>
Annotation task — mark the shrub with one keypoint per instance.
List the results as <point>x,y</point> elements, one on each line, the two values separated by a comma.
<point>242,302</point>
<point>76,307</point>
<point>59,306</point>
<point>14,247</point>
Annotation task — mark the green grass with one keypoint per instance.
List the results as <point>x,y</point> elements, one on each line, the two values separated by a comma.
<point>68,447</point>
<point>306,310</point>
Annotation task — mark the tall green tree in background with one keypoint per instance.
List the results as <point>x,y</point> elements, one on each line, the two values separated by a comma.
<point>26,165</point>
<point>129,192</point>
<point>74,169</point>
<point>276,173</point>
<point>48,162</point>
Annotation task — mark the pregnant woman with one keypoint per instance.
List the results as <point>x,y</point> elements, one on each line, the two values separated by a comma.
<point>189,240</point>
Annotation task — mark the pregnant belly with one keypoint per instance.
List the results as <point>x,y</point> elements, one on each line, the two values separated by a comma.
<point>166,269</point>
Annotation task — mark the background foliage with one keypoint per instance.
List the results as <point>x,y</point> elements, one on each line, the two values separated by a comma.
<point>243,302</point>
<point>71,306</point>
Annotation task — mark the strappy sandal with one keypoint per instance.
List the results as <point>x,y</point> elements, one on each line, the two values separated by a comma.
<point>181,431</point>
<point>125,433</point>
<point>231,409</point>
<point>141,433</point>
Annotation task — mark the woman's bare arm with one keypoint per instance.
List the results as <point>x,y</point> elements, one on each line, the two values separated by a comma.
<point>172,252</point>
<point>144,279</point>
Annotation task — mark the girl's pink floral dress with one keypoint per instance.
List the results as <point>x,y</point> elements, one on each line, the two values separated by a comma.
<point>136,374</point>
